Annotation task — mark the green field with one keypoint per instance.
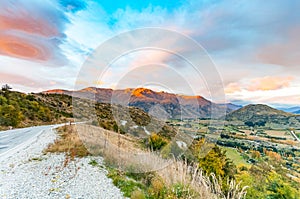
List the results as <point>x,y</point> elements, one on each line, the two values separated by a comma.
<point>235,156</point>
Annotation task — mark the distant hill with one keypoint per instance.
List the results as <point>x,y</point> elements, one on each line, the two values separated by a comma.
<point>297,112</point>
<point>295,109</point>
<point>175,106</point>
<point>263,114</point>
<point>231,107</point>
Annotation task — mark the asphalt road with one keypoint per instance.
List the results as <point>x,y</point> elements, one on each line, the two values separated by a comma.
<point>14,140</point>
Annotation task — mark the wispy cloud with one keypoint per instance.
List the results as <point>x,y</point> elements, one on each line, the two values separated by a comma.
<point>269,83</point>
<point>32,30</point>
<point>266,83</point>
<point>232,88</point>
<point>285,52</point>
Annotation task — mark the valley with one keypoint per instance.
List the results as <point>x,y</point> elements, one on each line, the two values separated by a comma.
<point>249,145</point>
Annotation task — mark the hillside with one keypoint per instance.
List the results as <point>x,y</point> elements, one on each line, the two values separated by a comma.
<point>174,106</point>
<point>20,110</point>
<point>262,114</point>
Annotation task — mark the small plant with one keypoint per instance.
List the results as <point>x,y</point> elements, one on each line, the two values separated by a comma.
<point>138,194</point>
<point>36,159</point>
<point>127,185</point>
<point>93,163</point>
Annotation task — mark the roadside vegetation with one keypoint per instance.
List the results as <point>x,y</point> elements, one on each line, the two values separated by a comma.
<point>180,178</point>
<point>204,170</point>
<point>21,110</point>
<point>68,142</point>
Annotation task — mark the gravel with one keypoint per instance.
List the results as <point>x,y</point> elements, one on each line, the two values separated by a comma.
<point>29,173</point>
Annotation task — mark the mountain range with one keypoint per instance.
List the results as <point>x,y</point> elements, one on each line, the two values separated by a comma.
<point>159,104</point>
<point>55,105</point>
<point>295,109</point>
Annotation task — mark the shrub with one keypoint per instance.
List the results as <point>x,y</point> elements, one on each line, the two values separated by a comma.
<point>156,142</point>
<point>138,194</point>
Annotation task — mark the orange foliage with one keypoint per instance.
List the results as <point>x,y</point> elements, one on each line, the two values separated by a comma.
<point>273,155</point>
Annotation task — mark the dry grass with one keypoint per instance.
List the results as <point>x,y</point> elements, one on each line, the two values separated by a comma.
<point>120,151</point>
<point>124,152</point>
<point>68,142</point>
<point>197,184</point>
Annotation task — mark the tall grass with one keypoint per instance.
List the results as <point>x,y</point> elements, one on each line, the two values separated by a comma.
<point>176,178</point>
<point>197,184</point>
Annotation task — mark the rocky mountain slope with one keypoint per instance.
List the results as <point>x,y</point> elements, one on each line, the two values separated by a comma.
<point>171,105</point>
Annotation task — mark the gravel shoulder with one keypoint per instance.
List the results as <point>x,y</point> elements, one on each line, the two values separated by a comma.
<point>29,173</point>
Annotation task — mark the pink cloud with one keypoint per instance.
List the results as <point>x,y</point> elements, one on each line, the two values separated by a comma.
<point>266,83</point>
<point>17,79</point>
<point>21,46</point>
<point>269,83</point>
<point>26,82</point>
<point>232,88</point>
<point>31,31</point>
<point>146,57</point>
<point>26,22</point>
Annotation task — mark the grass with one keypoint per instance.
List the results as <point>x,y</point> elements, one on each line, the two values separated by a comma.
<point>179,180</point>
<point>128,166</point>
<point>127,185</point>
<point>68,142</point>
<point>234,155</point>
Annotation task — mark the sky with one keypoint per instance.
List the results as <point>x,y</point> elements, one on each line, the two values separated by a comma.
<point>253,45</point>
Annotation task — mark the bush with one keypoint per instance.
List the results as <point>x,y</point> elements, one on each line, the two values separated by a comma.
<point>156,142</point>
<point>138,194</point>
<point>10,115</point>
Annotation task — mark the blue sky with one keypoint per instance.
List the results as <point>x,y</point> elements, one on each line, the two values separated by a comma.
<point>255,45</point>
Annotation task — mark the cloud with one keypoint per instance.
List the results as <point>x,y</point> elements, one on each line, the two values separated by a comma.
<point>285,52</point>
<point>258,85</point>
<point>232,88</point>
<point>32,30</point>
<point>229,29</point>
<point>272,90</point>
<point>286,96</point>
<point>31,76</point>
<point>73,5</point>
<point>269,83</point>
<point>7,78</point>
<point>252,51</point>
<point>25,46</point>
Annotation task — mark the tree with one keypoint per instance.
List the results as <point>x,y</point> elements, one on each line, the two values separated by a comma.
<point>255,154</point>
<point>44,114</point>
<point>277,188</point>
<point>249,123</point>
<point>10,115</point>
<point>3,100</point>
<point>215,161</point>
<point>6,87</point>
<point>260,123</point>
